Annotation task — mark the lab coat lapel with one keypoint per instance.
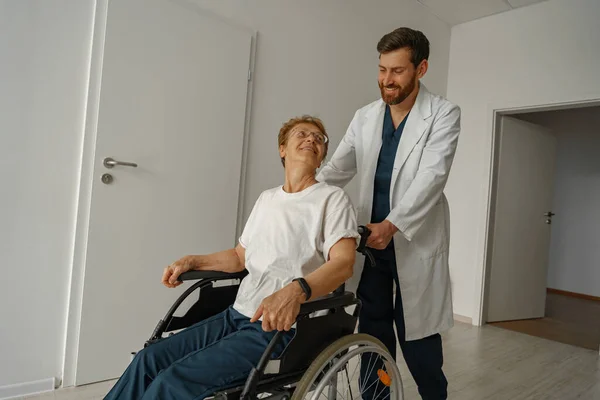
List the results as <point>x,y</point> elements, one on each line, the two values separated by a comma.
<point>372,145</point>
<point>374,127</point>
<point>415,127</point>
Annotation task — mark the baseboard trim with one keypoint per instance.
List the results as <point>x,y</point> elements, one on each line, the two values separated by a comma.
<point>463,319</point>
<point>573,294</point>
<point>27,388</point>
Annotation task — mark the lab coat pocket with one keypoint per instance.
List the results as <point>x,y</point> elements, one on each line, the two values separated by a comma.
<point>431,240</point>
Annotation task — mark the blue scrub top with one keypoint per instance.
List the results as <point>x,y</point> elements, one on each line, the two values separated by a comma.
<point>385,165</point>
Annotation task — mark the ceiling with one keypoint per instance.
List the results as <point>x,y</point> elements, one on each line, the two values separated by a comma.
<point>459,11</point>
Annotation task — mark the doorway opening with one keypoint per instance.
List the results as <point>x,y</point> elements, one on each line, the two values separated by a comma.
<point>542,273</point>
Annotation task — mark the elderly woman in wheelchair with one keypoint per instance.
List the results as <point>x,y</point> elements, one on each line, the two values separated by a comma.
<point>285,329</point>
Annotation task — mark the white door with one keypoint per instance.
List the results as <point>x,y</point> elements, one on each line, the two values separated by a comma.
<point>521,236</point>
<point>173,101</point>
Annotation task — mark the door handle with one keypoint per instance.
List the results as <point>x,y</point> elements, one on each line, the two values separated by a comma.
<point>549,214</point>
<point>110,162</point>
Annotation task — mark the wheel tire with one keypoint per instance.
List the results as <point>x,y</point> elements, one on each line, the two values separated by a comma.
<point>304,385</point>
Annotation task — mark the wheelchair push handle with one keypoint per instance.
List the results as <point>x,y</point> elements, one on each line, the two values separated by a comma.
<point>362,247</point>
<point>364,233</point>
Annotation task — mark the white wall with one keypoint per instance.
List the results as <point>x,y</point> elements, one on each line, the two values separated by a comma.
<point>542,54</point>
<point>319,57</point>
<point>575,245</point>
<point>44,64</point>
<point>312,57</point>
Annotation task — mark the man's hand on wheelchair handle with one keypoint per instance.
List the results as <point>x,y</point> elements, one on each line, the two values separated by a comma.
<point>280,310</point>
<point>381,234</point>
<point>172,272</point>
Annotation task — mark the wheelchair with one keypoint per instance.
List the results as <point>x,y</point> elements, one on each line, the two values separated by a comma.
<point>319,359</point>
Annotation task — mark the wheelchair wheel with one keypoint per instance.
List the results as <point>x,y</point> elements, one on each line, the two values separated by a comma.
<point>336,372</point>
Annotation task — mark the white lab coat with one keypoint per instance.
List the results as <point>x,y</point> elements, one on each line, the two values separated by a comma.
<point>419,207</point>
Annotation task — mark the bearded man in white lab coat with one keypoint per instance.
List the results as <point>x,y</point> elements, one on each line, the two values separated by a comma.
<point>401,148</point>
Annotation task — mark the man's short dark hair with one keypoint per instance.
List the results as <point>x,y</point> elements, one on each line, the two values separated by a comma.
<point>405,37</point>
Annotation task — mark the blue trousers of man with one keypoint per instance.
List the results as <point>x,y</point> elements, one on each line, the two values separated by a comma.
<point>423,357</point>
<point>211,355</point>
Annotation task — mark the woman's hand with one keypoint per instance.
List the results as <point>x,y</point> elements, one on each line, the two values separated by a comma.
<point>280,310</point>
<point>172,272</point>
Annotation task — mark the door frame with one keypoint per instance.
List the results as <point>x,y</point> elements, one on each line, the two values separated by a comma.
<point>486,241</point>
<point>84,190</point>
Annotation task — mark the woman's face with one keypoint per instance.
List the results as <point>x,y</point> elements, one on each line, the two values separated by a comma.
<point>305,144</point>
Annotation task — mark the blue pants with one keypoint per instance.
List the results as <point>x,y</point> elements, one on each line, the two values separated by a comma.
<point>423,357</point>
<point>211,355</point>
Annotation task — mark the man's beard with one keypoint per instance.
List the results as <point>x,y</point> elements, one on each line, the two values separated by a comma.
<point>392,99</point>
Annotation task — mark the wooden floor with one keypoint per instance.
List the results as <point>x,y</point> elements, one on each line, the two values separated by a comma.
<point>481,363</point>
<point>568,320</point>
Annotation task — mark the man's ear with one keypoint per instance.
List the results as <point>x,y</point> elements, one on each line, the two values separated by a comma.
<point>422,69</point>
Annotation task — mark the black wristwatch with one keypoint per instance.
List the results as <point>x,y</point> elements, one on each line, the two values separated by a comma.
<point>305,287</point>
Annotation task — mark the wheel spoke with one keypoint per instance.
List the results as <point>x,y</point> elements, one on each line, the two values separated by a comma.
<point>368,375</point>
<point>348,379</point>
<point>368,369</point>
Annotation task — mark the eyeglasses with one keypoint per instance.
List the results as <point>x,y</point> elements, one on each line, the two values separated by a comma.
<point>319,137</point>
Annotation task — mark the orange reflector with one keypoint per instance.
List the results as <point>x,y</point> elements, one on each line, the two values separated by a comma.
<point>384,377</point>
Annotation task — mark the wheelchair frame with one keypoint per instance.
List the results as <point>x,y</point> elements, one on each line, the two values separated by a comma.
<point>270,375</point>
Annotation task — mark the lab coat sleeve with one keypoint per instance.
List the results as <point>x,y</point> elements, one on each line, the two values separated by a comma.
<point>409,212</point>
<point>342,167</point>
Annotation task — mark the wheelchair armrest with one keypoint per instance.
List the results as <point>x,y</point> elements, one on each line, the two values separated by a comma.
<point>333,300</point>
<point>211,275</point>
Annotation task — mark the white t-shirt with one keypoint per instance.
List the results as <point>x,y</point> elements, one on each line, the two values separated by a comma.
<point>289,235</point>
